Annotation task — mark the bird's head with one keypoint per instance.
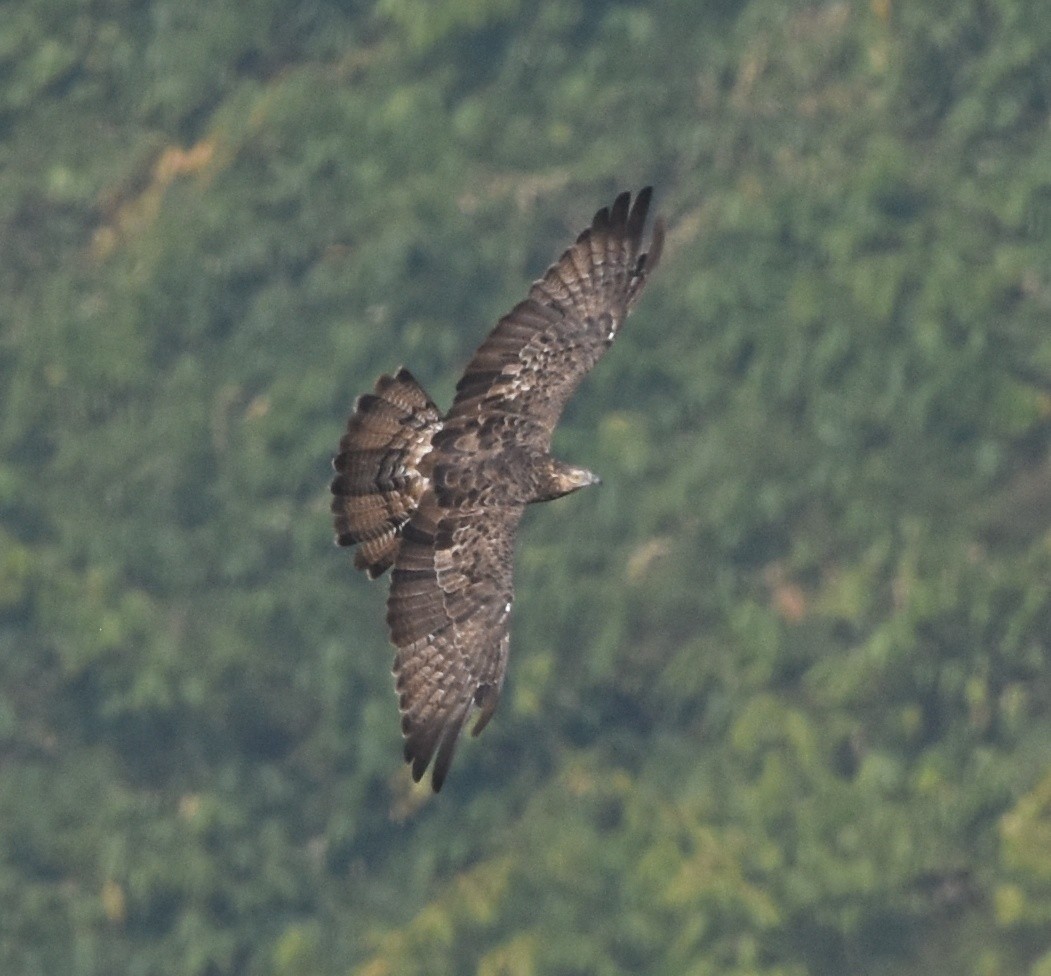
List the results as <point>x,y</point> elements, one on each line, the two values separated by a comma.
<point>562,478</point>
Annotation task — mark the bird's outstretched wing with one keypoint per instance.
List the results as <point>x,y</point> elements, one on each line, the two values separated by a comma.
<point>442,498</point>
<point>450,600</point>
<point>524,372</point>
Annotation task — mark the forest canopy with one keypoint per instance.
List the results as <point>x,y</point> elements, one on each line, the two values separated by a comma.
<point>779,699</point>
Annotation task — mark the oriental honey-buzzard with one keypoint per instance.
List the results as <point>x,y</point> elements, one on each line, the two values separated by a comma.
<point>439,497</point>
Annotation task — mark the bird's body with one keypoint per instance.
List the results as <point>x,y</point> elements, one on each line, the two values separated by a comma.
<point>439,498</point>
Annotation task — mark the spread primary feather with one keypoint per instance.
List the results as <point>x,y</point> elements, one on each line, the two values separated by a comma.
<point>439,497</point>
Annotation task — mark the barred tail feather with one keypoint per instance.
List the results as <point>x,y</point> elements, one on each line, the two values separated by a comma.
<point>378,484</point>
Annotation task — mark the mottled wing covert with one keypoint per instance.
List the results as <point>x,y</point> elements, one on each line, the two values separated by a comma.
<point>440,498</point>
<point>450,600</point>
<point>535,358</point>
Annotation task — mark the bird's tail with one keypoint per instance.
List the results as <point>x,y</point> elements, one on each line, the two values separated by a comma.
<point>378,484</point>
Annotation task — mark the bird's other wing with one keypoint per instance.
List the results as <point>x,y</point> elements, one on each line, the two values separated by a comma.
<point>525,371</point>
<point>448,610</point>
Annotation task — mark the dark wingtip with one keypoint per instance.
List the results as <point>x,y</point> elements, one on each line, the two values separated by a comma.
<point>438,778</point>
<point>486,697</point>
<point>420,758</point>
<point>618,214</point>
<point>421,741</point>
<point>434,741</point>
<point>653,255</point>
<point>444,759</point>
<point>367,401</point>
<point>645,262</point>
<point>639,209</point>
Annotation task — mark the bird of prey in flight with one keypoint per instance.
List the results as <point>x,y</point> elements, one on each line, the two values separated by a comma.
<point>439,496</point>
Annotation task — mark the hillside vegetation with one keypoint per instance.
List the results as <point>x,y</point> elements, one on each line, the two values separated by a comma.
<point>780,690</point>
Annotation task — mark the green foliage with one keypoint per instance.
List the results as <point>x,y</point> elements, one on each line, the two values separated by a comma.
<point>779,695</point>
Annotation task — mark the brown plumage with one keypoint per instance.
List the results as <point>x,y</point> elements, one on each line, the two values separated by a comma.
<point>440,498</point>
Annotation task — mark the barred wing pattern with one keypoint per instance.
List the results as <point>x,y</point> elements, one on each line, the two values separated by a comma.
<point>440,498</point>
<point>529,366</point>
<point>378,484</point>
<point>450,600</point>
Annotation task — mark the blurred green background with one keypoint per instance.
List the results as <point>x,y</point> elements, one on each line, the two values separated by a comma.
<point>780,698</point>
